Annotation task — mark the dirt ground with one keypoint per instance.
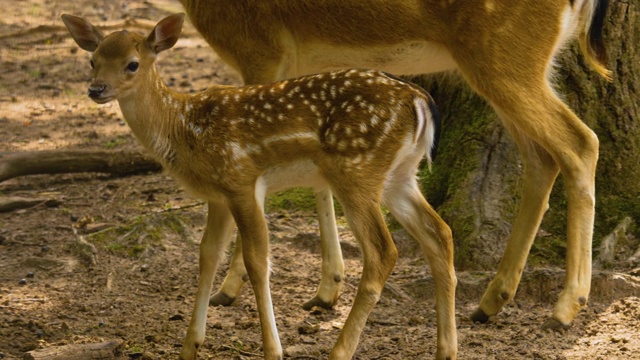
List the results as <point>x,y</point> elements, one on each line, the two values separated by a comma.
<point>139,284</point>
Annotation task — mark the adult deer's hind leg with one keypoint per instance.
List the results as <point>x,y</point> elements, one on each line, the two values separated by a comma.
<point>540,172</point>
<point>557,138</point>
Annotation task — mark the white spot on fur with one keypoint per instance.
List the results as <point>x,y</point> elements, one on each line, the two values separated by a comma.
<point>236,151</point>
<point>298,136</point>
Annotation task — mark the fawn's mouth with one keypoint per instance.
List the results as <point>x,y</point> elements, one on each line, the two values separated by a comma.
<point>102,99</point>
<point>101,92</point>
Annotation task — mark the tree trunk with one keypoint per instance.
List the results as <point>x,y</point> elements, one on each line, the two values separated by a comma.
<point>475,181</point>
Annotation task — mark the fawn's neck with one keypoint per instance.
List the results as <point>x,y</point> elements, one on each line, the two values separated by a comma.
<point>153,113</point>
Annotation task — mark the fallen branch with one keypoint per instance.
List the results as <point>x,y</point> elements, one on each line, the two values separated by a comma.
<point>98,351</point>
<point>74,161</point>
<point>241,352</point>
<point>83,249</point>
<point>15,203</point>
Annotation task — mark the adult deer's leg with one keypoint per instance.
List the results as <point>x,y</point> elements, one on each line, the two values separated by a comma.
<point>408,206</point>
<point>379,255</point>
<point>212,246</point>
<point>536,113</point>
<point>540,172</point>
<point>332,262</point>
<point>235,279</point>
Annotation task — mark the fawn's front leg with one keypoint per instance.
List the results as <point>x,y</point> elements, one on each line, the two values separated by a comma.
<point>332,262</point>
<point>252,227</point>
<point>214,242</point>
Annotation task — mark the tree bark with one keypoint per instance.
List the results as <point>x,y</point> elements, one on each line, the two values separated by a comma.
<point>74,161</point>
<point>475,181</point>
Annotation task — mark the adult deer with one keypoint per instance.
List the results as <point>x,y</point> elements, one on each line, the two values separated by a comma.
<point>505,49</point>
<point>361,133</point>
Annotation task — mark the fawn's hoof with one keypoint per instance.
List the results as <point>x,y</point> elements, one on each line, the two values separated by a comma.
<point>221,298</point>
<point>479,316</point>
<point>316,301</point>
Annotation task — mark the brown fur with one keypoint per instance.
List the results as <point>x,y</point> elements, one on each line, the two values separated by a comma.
<point>504,49</point>
<point>360,133</point>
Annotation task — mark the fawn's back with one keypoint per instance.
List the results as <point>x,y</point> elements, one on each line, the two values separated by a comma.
<point>341,120</point>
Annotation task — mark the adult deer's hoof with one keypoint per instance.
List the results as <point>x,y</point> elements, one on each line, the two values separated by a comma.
<point>479,316</point>
<point>555,325</point>
<point>316,301</point>
<point>221,298</point>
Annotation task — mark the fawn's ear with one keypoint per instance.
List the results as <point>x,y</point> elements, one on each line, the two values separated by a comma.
<point>166,33</point>
<point>85,34</point>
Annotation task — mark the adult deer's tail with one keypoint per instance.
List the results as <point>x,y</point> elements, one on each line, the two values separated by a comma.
<point>593,15</point>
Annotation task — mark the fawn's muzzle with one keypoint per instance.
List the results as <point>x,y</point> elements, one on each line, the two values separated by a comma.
<point>96,90</point>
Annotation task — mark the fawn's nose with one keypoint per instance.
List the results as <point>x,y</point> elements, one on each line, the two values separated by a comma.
<point>96,90</point>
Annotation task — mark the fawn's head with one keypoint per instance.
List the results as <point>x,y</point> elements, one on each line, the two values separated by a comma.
<point>120,59</point>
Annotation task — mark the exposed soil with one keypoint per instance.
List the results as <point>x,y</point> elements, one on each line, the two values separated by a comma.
<point>138,281</point>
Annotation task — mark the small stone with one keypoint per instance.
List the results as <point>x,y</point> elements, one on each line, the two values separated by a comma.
<point>30,275</point>
<point>307,329</point>
<point>22,282</point>
<point>135,355</point>
<point>176,317</point>
<point>301,351</point>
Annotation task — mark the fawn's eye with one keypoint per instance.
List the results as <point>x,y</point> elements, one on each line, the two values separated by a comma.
<point>91,64</point>
<point>133,66</point>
